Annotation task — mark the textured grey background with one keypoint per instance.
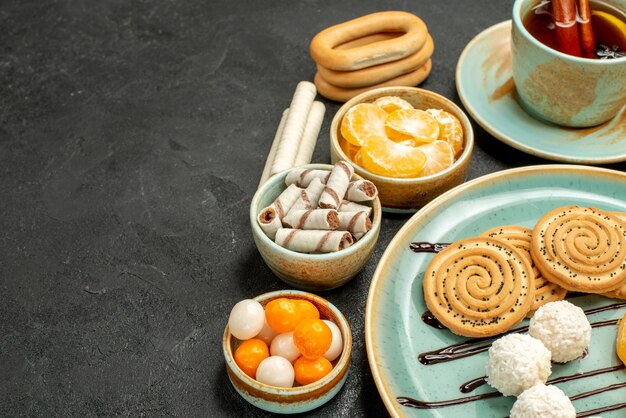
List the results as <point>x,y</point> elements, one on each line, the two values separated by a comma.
<point>132,137</point>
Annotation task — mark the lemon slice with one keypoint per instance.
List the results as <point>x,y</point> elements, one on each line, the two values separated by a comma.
<point>609,30</point>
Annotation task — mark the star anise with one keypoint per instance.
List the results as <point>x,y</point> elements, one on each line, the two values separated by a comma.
<point>605,53</point>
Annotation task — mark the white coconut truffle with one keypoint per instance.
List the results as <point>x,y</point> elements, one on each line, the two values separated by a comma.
<point>563,328</point>
<point>517,362</point>
<point>543,401</point>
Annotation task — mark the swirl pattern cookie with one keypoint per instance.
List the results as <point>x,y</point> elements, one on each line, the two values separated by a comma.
<point>479,287</point>
<point>520,237</point>
<point>581,249</point>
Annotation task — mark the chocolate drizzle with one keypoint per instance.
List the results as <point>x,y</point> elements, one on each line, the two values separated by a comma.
<point>429,319</point>
<point>428,247</point>
<point>478,345</point>
<point>471,385</point>
<point>414,403</point>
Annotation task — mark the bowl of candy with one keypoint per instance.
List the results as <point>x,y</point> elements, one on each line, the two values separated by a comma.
<point>287,351</point>
<point>316,225</point>
<point>413,144</point>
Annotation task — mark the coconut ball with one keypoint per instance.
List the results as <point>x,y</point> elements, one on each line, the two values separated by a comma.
<point>517,362</point>
<point>543,401</point>
<point>563,328</point>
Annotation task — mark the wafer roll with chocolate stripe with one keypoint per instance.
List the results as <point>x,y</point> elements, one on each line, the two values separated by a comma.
<point>302,177</point>
<point>313,241</point>
<point>361,191</point>
<point>309,196</point>
<point>270,217</point>
<point>336,185</point>
<point>347,206</point>
<point>269,221</point>
<point>326,219</point>
<point>354,222</point>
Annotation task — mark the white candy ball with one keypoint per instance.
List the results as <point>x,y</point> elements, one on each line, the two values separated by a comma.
<point>283,345</point>
<point>563,328</point>
<point>517,362</point>
<point>266,334</point>
<point>336,346</point>
<point>275,371</point>
<point>543,401</point>
<point>246,319</point>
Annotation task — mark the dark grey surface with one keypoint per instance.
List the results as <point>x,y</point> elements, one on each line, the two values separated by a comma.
<point>132,138</point>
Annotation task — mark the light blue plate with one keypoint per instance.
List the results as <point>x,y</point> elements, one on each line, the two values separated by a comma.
<point>484,81</point>
<point>396,335</point>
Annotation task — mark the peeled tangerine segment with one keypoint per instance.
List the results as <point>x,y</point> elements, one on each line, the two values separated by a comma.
<point>392,103</point>
<point>362,121</point>
<point>349,149</point>
<point>439,156</point>
<point>388,158</point>
<point>450,129</point>
<point>413,124</point>
<point>621,340</point>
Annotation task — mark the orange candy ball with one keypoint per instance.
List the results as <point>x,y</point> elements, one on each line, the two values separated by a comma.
<point>283,315</point>
<point>250,354</point>
<point>307,309</point>
<point>313,338</point>
<point>309,371</point>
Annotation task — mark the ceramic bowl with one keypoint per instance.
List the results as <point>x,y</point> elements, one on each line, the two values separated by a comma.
<point>300,398</point>
<point>311,271</point>
<point>408,194</point>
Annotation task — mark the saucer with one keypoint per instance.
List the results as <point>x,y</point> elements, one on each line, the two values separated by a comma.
<point>484,81</point>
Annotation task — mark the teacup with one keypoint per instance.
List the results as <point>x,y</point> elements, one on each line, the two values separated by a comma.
<point>560,88</point>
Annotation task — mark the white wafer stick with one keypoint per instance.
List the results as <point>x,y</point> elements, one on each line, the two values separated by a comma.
<point>310,134</point>
<point>312,241</point>
<point>336,185</point>
<point>271,155</point>
<point>294,126</point>
<point>302,177</point>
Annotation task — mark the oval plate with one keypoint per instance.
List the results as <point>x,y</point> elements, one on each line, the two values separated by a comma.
<point>484,81</point>
<point>396,335</point>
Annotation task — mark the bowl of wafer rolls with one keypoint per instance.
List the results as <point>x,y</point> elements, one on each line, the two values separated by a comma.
<point>316,225</point>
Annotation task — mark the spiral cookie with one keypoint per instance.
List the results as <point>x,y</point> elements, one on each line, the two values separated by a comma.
<point>520,237</point>
<point>621,216</point>
<point>581,249</point>
<point>479,287</point>
<point>619,293</point>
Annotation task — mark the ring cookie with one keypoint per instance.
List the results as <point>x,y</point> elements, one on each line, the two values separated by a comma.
<point>479,287</point>
<point>324,49</point>
<point>581,249</point>
<point>520,237</point>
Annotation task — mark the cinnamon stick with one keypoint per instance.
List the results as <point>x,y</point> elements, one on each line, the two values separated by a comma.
<point>587,41</point>
<point>566,30</point>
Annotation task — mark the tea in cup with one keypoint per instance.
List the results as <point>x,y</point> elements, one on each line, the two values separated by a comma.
<point>568,90</point>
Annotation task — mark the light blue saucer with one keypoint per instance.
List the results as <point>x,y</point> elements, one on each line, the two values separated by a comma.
<point>396,333</point>
<point>484,81</point>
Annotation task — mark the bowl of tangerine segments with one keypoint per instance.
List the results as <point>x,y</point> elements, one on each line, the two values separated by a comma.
<point>287,351</point>
<point>413,144</point>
